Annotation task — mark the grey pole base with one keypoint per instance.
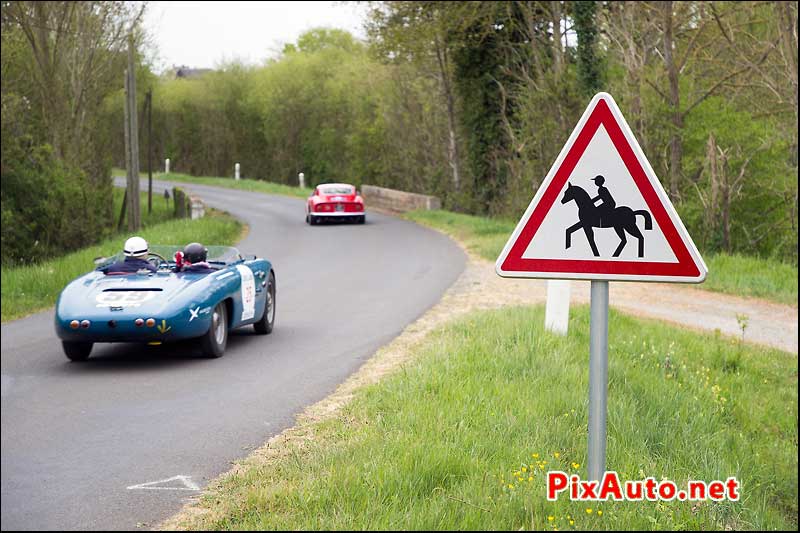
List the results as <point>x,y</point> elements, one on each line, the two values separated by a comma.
<point>598,380</point>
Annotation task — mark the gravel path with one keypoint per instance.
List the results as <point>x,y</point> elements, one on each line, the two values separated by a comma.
<point>767,323</point>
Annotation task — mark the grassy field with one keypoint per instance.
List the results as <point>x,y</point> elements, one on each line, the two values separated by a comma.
<point>732,274</point>
<point>461,437</point>
<point>31,288</point>
<point>230,183</point>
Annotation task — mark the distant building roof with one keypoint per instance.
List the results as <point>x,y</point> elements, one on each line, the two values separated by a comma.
<point>186,72</point>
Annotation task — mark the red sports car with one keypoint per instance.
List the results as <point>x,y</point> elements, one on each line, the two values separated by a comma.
<point>335,201</point>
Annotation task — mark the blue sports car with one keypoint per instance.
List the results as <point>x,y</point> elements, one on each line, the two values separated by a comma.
<point>167,304</point>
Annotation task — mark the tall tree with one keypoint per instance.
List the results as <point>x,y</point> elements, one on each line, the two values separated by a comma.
<point>421,32</point>
<point>589,71</point>
<point>78,48</point>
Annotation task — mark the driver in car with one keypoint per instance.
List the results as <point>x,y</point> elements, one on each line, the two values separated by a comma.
<point>136,252</point>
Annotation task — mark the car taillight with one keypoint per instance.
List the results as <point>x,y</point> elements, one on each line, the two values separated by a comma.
<point>74,324</point>
<point>139,322</point>
<point>85,324</point>
<point>151,322</point>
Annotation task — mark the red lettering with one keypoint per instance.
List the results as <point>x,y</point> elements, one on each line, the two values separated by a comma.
<point>556,482</point>
<point>650,488</point>
<point>732,485</point>
<point>574,487</point>
<point>667,490</point>
<point>697,490</point>
<point>633,490</point>
<point>589,488</point>
<point>610,486</point>
<point>716,490</point>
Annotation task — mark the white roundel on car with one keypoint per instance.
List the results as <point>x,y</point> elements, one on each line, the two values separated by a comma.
<point>123,298</point>
<point>248,292</point>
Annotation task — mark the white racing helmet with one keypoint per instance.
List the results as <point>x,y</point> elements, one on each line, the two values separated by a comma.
<point>135,247</point>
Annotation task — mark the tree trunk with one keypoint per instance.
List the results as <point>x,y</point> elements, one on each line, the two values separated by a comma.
<point>713,205</point>
<point>676,142</point>
<point>558,54</point>
<point>447,90</point>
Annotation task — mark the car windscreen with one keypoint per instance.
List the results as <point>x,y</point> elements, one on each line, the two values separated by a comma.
<point>216,254</point>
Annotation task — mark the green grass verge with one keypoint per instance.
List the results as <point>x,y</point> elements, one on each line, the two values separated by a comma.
<point>230,183</point>
<point>732,274</point>
<point>242,185</point>
<point>27,289</point>
<point>460,438</point>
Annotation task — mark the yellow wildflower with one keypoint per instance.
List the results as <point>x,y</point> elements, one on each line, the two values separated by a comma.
<point>588,510</point>
<point>550,518</point>
<point>599,512</point>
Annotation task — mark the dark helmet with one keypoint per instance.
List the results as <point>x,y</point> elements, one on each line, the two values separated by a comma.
<point>195,252</point>
<point>599,180</point>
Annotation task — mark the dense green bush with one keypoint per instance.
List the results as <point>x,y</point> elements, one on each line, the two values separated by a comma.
<point>48,208</point>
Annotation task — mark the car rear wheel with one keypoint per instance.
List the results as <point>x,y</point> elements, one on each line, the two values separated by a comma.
<point>213,343</point>
<point>362,219</point>
<point>77,351</point>
<point>312,220</point>
<point>267,322</point>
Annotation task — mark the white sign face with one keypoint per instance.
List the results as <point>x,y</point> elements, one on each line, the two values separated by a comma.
<point>601,213</point>
<point>248,292</point>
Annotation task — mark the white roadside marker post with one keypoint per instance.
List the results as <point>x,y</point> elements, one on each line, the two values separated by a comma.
<point>556,314</point>
<point>166,166</point>
<point>598,379</point>
<point>301,179</point>
<point>236,171</point>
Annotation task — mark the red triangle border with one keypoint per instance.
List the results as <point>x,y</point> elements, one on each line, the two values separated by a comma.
<point>601,115</point>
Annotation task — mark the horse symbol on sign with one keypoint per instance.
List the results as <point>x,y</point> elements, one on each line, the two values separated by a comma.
<point>621,218</point>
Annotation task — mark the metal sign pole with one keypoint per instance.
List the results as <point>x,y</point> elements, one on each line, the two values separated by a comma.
<point>598,380</point>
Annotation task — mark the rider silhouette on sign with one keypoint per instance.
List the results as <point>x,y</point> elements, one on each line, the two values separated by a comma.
<point>605,215</point>
<point>606,208</point>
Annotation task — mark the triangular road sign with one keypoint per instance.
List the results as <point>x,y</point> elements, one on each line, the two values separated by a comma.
<point>601,213</point>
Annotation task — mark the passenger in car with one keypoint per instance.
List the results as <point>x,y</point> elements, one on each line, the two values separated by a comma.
<point>195,257</point>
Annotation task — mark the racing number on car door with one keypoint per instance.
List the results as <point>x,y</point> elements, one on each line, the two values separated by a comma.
<point>248,292</point>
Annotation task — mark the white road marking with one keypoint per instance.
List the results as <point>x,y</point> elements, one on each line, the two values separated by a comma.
<point>188,484</point>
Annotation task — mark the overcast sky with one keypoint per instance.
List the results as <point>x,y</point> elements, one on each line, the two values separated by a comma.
<point>204,34</point>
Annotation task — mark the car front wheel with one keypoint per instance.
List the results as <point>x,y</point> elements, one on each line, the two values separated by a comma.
<point>213,343</point>
<point>77,351</point>
<point>267,322</point>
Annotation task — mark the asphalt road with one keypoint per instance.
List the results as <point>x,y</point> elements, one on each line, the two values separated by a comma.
<point>75,436</point>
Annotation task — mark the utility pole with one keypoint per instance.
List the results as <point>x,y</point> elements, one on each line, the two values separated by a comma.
<point>132,142</point>
<point>149,105</point>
